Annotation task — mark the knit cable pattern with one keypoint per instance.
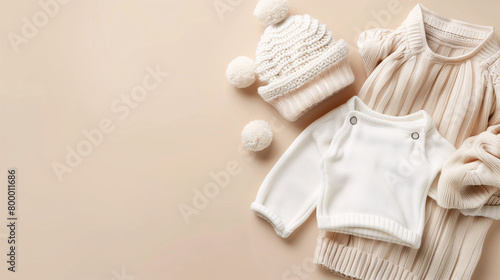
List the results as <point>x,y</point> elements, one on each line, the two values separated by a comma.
<point>293,52</point>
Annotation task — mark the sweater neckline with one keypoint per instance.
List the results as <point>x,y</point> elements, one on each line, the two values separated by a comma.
<point>422,22</point>
<point>418,121</point>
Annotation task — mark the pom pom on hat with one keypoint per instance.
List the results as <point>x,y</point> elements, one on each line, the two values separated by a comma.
<point>257,135</point>
<point>271,11</point>
<point>241,72</point>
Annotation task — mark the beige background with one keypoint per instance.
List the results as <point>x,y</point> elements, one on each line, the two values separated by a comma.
<point>116,214</point>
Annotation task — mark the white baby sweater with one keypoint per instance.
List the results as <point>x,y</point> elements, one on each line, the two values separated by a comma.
<point>365,173</point>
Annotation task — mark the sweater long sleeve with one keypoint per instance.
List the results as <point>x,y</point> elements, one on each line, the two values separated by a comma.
<point>297,174</point>
<point>470,180</point>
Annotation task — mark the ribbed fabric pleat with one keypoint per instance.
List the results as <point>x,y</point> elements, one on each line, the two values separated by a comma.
<point>408,103</point>
<point>432,98</point>
<point>415,90</point>
<point>439,257</point>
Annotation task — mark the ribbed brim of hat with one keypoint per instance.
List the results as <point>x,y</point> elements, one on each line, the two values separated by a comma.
<point>297,102</point>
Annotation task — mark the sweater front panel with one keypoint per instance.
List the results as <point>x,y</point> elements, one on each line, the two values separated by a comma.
<point>377,175</point>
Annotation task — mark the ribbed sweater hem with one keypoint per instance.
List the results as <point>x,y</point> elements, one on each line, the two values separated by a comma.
<point>370,226</point>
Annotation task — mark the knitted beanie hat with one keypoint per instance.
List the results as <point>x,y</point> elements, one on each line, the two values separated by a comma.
<point>297,59</point>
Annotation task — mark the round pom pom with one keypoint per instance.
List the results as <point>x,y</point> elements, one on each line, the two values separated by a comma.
<point>241,72</point>
<point>257,135</point>
<point>271,11</point>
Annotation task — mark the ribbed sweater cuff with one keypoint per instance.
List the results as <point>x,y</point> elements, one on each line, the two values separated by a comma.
<point>462,189</point>
<point>470,178</point>
<point>271,217</point>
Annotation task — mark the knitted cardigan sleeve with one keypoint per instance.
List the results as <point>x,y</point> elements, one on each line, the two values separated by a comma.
<point>288,194</point>
<point>377,44</point>
<point>470,180</point>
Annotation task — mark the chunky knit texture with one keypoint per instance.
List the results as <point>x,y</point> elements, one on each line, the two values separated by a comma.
<point>447,68</point>
<point>293,52</point>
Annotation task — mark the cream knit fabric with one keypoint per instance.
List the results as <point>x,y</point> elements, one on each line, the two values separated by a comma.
<point>447,68</point>
<point>365,173</point>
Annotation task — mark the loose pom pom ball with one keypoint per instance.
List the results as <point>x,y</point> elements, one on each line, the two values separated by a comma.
<point>257,135</point>
<point>270,12</point>
<point>241,72</point>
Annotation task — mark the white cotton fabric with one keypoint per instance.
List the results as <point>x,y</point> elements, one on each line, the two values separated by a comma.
<point>365,173</point>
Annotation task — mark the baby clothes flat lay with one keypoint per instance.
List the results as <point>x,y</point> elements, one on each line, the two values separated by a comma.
<point>366,173</point>
<point>372,171</point>
<point>450,69</point>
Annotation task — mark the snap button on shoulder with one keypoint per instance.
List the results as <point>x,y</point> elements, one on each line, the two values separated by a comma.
<point>353,120</point>
<point>415,135</point>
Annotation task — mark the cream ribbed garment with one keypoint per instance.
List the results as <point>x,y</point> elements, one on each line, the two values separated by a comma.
<point>450,69</point>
